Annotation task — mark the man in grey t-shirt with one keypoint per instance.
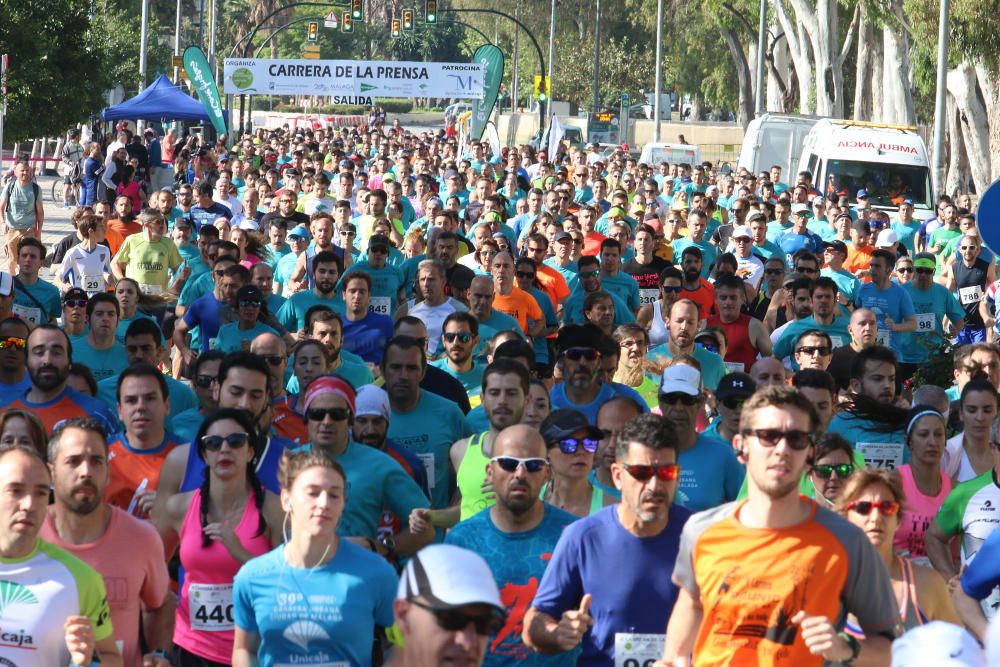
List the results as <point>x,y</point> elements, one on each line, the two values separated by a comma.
<point>21,211</point>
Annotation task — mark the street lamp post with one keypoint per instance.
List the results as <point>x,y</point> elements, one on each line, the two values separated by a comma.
<point>177,42</point>
<point>761,51</point>
<point>939,102</point>
<point>658,84</point>
<point>597,58</point>
<point>552,57</point>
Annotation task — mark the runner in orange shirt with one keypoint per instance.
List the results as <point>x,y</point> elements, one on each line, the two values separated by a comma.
<point>514,301</point>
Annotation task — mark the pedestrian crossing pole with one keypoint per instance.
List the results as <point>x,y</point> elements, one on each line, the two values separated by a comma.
<point>4,61</point>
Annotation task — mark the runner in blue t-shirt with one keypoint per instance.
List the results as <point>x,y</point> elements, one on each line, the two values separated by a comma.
<point>891,303</point>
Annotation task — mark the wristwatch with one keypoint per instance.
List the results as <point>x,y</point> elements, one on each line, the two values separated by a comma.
<point>160,653</point>
<point>388,543</point>
<point>854,645</point>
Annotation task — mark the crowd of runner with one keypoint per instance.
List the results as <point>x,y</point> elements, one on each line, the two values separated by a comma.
<point>362,396</point>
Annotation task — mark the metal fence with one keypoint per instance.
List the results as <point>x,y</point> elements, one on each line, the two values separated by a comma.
<point>719,154</point>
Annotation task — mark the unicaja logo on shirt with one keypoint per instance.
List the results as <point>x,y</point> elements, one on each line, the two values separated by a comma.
<point>13,593</point>
<point>302,633</point>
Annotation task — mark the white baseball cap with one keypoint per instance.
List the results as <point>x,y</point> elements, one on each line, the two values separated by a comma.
<point>886,239</point>
<point>742,232</point>
<point>446,576</point>
<point>940,644</point>
<point>372,400</point>
<point>681,377</point>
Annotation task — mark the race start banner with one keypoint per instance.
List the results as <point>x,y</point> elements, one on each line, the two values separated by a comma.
<point>353,81</point>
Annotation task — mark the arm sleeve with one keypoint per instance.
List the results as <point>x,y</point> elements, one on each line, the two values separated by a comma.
<point>684,565</point>
<point>561,587</point>
<point>243,612</point>
<point>93,598</point>
<point>983,572</point>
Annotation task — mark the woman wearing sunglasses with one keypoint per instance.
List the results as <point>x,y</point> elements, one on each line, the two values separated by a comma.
<point>237,336</point>
<point>871,500</point>
<point>924,482</point>
<point>833,465</point>
<point>217,528</point>
<point>317,594</point>
<point>572,443</point>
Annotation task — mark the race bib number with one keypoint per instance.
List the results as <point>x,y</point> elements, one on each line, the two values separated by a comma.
<point>882,337</point>
<point>648,296</point>
<point>427,459</point>
<point>637,650</point>
<point>380,305</point>
<point>886,455</point>
<point>211,607</point>
<point>734,366</point>
<point>837,341</point>
<point>32,315</point>
<point>151,290</point>
<point>93,284</point>
<point>926,322</point>
<point>971,294</point>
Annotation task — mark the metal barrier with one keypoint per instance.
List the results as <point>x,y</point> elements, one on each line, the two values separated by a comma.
<point>720,153</point>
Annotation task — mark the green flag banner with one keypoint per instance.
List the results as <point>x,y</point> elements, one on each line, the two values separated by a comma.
<point>491,58</point>
<point>200,73</point>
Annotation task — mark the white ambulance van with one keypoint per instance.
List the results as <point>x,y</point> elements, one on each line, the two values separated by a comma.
<point>888,161</point>
<point>775,139</point>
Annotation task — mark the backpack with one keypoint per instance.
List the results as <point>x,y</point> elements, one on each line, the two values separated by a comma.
<point>37,191</point>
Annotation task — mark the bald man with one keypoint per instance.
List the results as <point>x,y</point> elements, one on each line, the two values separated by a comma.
<point>517,535</point>
<point>767,371</point>
<point>864,332</point>
<point>612,416</point>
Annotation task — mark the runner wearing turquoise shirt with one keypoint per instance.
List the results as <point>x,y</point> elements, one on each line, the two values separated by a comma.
<point>781,224</point>
<point>292,314</point>
<point>37,301</point>
<point>492,324</point>
<point>823,295</point>
<point>906,227</point>
<point>613,279</point>
<point>336,606</point>
<point>932,302</point>
<point>233,338</point>
<point>891,304</point>
<point>798,237</point>
<point>709,252</point>
<point>712,366</point>
<point>570,271</point>
<point>387,281</point>
<point>459,337</point>
<point>424,423</point>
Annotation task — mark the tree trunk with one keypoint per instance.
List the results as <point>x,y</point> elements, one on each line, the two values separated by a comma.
<point>962,84</point>
<point>956,151</point>
<point>897,102</point>
<point>745,110</point>
<point>876,77</point>
<point>990,87</point>
<point>823,39</point>
<point>863,109</point>
<point>779,66</point>
<point>798,50</point>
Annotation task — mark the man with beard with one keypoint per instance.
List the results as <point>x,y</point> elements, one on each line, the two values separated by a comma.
<point>505,393</point>
<point>710,475</point>
<point>457,276</point>
<point>136,455</point>
<point>371,427</point>
<point>747,337</point>
<point>610,574</point>
<point>49,355</point>
<point>205,312</point>
<point>55,606</point>
<point>807,558</point>
<point>422,422</point>
<point>327,267</point>
<point>516,537</point>
<point>694,287</point>
<point>579,361</point>
<point>460,336</point>
<point>125,550</point>
<point>863,420</point>
<point>792,302</point>
<point>13,342</point>
<point>683,325</point>
<point>286,422</point>
<point>327,327</point>
<point>891,304</point>
<point>321,228</point>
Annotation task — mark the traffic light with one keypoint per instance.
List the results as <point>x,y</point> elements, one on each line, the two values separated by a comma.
<point>430,11</point>
<point>358,10</point>
<point>407,19</point>
<point>347,24</point>
<point>396,28</point>
<point>313,34</point>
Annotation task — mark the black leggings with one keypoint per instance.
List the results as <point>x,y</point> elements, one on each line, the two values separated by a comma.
<point>184,658</point>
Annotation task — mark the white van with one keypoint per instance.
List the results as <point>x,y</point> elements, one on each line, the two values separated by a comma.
<point>889,161</point>
<point>655,154</point>
<point>775,139</point>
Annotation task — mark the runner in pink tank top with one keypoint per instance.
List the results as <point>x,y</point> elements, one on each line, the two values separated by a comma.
<point>918,512</point>
<point>925,436</point>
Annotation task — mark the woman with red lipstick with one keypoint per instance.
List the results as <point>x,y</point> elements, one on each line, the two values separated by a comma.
<point>871,500</point>
<point>217,527</point>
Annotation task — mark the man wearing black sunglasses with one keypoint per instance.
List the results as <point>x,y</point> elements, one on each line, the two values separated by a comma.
<point>459,337</point>
<point>610,576</point>
<point>814,566</point>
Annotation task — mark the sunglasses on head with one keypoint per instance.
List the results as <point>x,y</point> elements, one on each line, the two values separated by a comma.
<point>75,303</point>
<point>319,414</point>
<point>14,342</point>
<point>865,507</point>
<point>213,443</point>
<point>511,463</point>
<point>674,397</point>
<point>842,470</point>
<point>573,445</point>
<point>770,437</point>
<point>452,336</point>
<point>454,620</point>
<point>582,353</point>
<point>643,473</point>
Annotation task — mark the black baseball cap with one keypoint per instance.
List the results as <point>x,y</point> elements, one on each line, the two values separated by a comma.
<point>564,423</point>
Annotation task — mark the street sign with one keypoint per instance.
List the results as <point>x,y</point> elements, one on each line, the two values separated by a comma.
<point>331,20</point>
<point>987,214</point>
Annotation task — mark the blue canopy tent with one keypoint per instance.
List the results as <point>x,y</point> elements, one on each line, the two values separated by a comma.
<point>161,100</point>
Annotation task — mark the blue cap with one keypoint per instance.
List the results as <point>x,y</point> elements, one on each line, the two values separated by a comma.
<point>862,194</point>
<point>299,231</point>
<point>908,201</point>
